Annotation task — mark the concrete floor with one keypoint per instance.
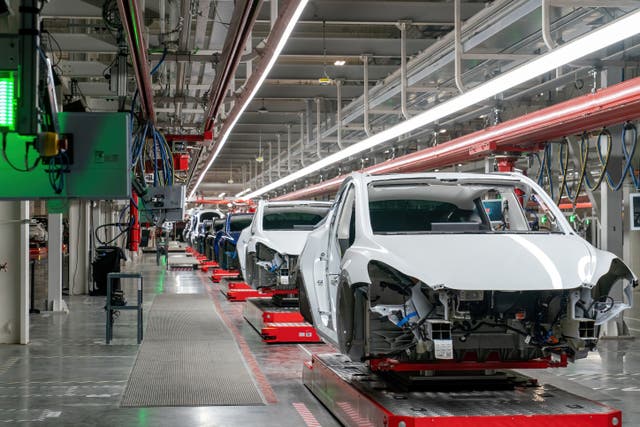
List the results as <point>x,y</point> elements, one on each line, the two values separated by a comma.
<point>68,376</point>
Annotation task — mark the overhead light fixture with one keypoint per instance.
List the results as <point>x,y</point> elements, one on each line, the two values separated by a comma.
<point>339,62</point>
<point>221,195</point>
<point>594,41</point>
<point>262,109</point>
<point>276,53</point>
<point>243,192</point>
<point>442,131</point>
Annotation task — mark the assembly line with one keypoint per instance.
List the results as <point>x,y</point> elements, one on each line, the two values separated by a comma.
<point>367,213</point>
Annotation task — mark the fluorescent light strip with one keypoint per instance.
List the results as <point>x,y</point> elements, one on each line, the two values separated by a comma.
<point>605,36</point>
<point>243,192</point>
<point>270,64</point>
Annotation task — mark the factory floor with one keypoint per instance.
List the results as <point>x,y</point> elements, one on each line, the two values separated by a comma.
<point>68,376</point>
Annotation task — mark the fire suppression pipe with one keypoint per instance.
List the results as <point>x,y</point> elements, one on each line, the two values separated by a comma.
<point>279,155</point>
<point>288,147</point>
<point>132,24</point>
<point>339,112</point>
<point>270,165</point>
<point>608,106</point>
<point>302,139</point>
<point>403,68</point>
<point>365,95</point>
<point>242,21</point>
<point>457,32</point>
<point>318,136</point>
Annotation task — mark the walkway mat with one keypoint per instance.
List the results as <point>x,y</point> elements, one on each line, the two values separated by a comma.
<point>188,358</point>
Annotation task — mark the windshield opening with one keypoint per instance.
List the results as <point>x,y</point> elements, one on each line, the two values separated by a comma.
<point>459,207</point>
<point>239,223</point>
<point>299,218</point>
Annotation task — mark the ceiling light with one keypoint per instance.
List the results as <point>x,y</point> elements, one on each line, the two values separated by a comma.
<point>262,109</point>
<point>276,53</point>
<point>459,165</point>
<point>243,192</point>
<point>604,36</point>
<point>230,181</point>
<point>339,62</point>
<point>221,195</point>
<point>442,131</point>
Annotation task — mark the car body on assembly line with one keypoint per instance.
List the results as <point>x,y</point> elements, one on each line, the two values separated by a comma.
<point>410,267</point>
<point>268,250</point>
<point>227,238</point>
<point>197,232</point>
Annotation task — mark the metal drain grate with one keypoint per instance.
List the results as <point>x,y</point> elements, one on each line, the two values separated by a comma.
<point>188,358</point>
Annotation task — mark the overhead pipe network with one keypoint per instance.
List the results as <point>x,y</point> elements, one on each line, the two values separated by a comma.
<point>608,106</point>
<point>132,24</point>
<point>289,14</point>
<point>596,40</point>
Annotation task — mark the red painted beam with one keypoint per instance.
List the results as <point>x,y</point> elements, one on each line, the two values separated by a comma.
<point>206,136</point>
<point>608,106</point>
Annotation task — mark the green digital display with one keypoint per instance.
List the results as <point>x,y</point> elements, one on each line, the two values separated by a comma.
<point>7,100</point>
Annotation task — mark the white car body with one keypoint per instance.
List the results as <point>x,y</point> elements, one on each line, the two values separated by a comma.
<point>197,219</point>
<point>283,244</point>
<point>446,278</point>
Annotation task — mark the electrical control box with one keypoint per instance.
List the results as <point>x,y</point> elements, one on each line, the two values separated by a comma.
<point>163,204</point>
<point>101,166</point>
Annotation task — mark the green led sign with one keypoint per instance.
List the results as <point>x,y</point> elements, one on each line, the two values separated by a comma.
<point>7,100</point>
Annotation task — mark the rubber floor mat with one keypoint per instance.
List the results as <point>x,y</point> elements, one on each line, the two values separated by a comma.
<point>188,358</point>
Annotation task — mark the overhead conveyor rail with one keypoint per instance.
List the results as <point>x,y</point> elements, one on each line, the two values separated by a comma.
<point>608,106</point>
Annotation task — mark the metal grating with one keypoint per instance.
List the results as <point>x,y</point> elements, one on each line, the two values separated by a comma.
<point>188,358</point>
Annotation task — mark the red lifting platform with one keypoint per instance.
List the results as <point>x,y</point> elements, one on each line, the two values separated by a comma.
<point>358,397</point>
<point>205,265</point>
<point>278,324</point>
<point>219,274</point>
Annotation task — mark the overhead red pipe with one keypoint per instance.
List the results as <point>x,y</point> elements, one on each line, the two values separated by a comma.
<point>608,106</point>
<point>132,23</point>
<point>233,49</point>
<point>286,13</point>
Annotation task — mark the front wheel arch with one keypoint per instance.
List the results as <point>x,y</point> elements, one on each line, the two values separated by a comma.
<point>352,309</point>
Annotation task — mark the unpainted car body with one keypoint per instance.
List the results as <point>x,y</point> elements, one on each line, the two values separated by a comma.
<point>411,267</point>
<point>268,250</point>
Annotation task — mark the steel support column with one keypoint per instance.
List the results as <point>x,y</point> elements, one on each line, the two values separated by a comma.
<point>54,263</point>
<point>79,247</point>
<point>611,201</point>
<point>14,273</point>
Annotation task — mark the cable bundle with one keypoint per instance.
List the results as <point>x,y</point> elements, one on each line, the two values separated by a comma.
<point>150,147</point>
<point>603,149</point>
